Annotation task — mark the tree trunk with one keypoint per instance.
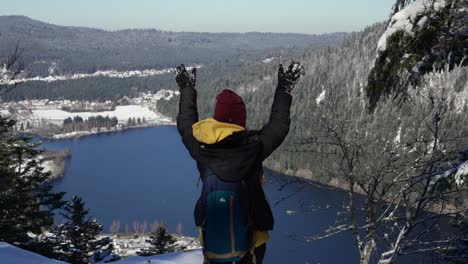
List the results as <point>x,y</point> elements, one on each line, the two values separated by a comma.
<point>366,253</point>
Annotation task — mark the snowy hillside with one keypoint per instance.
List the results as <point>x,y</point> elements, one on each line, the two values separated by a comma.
<point>62,50</point>
<point>12,255</point>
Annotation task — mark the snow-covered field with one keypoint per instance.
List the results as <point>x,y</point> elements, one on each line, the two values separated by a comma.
<point>12,255</point>
<point>188,257</point>
<point>122,113</point>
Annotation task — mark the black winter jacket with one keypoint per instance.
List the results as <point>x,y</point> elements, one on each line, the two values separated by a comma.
<point>239,156</point>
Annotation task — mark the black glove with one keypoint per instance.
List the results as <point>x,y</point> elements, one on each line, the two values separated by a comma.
<point>287,80</point>
<point>185,79</point>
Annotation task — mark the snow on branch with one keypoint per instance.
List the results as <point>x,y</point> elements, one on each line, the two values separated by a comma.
<point>458,173</point>
<point>414,14</point>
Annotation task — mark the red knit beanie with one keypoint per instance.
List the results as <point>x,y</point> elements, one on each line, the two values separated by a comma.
<point>230,108</point>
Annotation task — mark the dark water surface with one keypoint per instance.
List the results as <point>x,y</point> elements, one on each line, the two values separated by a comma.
<point>146,174</point>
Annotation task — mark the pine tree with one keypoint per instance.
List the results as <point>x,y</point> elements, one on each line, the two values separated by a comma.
<point>26,200</point>
<point>161,242</point>
<point>106,255</point>
<point>76,238</point>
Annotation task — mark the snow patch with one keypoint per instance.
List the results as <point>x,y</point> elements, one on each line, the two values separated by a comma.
<point>462,172</point>
<point>397,139</point>
<point>459,173</point>
<point>296,67</point>
<point>321,97</point>
<point>52,68</point>
<point>268,60</point>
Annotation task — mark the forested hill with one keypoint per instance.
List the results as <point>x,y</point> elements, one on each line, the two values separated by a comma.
<point>52,49</point>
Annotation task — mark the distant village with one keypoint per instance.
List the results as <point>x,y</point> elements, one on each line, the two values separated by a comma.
<point>66,118</point>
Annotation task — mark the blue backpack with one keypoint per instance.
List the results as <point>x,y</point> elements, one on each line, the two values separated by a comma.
<point>222,213</point>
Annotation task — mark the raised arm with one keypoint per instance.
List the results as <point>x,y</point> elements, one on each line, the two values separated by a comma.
<point>277,128</point>
<point>188,113</point>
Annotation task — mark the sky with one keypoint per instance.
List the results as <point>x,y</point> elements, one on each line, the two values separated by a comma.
<point>291,16</point>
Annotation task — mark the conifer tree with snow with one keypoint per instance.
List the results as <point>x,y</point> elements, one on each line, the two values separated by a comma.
<point>106,255</point>
<point>77,240</point>
<point>26,200</point>
<point>161,242</point>
<point>422,36</point>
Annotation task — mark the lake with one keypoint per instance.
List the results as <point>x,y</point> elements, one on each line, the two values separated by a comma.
<point>147,175</point>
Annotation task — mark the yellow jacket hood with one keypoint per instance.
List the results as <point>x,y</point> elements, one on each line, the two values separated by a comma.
<point>210,131</point>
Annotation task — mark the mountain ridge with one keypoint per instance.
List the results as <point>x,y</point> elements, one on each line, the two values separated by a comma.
<point>80,49</point>
<point>26,18</point>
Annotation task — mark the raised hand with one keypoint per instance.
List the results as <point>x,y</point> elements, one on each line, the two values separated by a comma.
<point>184,78</point>
<point>288,80</point>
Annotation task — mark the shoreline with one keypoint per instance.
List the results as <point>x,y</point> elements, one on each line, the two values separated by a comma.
<point>55,163</point>
<point>339,186</point>
<point>80,134</point>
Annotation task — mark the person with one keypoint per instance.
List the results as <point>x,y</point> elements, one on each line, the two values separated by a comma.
<point>229,158</point>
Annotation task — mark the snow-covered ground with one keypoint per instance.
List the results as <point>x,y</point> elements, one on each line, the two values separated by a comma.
<point>128,246</point>
<point>13,255</point>
<point>188,257</point>
<point>76,134</point>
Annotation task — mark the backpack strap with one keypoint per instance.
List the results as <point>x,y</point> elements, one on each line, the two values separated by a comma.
<point>254,258</point>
